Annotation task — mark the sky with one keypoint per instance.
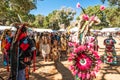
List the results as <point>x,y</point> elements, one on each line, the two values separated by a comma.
<point>47,6</point>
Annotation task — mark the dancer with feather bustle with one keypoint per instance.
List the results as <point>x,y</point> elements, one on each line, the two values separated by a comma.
<point>86,61</point>
<point>23,51</point>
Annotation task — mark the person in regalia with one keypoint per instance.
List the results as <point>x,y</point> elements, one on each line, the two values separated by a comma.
<point>110,53</point>
<point>22,52</point>
<point>45,48</point>
<point>5,47</point>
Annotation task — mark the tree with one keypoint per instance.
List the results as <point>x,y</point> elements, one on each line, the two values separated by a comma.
<point>66,15</point>
<point>110,17</point>
<point>113,2</point>
<point>77,18</point>
<point>39,19</point>
<point>46,22</point>
<point>95,10</point>
<point>54,20</point>
<point>14,8</point>
<point>113,16</point>
<point>57,17</point>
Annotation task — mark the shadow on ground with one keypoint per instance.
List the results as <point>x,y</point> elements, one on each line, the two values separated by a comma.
<point>108,69</point>
<point>65,72</point>
<point>38,77</point>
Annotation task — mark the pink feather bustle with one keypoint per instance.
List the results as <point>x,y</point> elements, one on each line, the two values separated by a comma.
<point>86,61</point>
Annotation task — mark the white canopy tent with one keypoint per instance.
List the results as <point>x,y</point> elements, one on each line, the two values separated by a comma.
<point>42,30</point>
<point>34,29</point>
<point>110,30</point>
<point>74,29</point>
<point>62,30</point>
<point>5,27</point>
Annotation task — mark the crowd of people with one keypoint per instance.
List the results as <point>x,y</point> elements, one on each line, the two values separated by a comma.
<point>20,45</point>
<point>51,46</point>
<point>19,50</point>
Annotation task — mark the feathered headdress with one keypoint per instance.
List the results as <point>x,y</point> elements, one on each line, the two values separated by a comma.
<point>22,29</point>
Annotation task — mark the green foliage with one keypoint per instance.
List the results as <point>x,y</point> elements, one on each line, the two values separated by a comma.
<point>56,18</point>
<point>113,16</point>
<point>77,18</point>
<point>110,17</point>
<point>39,19</point>
<point>11,9</point>
<point>113,2</point>
<point>46,22</point>
<point>14,8</point>
<point>53,20</point>
<point>66,15</point>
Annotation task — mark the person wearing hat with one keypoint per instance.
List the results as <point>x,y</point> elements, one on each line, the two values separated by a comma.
<point>110,53</point>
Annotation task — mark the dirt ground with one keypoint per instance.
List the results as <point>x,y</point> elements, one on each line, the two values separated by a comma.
<point>59,70</point>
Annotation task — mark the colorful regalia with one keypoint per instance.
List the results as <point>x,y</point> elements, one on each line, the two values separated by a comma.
<point>5,47</point>
<point>23,51</point>
<point>86,61</point>
<point>55,51</point>
<point>63,46</point>
<point>63,43</point>
<point>110,53</point>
